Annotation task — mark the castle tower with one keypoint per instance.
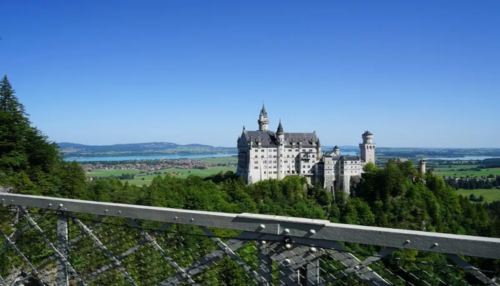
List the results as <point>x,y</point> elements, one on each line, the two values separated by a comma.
<point>336,151</point>
<point>421,166</point>
<point>367,148</point>
<point>263,120</point>
<point>280,136</point>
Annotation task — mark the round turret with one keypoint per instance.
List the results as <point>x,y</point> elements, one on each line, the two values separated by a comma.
<point>263,120</point>
<point>280,129</point>
<point>336,150</point>
<point>367,137</point>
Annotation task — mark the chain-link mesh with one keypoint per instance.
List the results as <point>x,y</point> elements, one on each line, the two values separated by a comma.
<point>41,247</point>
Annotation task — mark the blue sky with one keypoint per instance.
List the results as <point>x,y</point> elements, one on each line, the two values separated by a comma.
<point>415,73</point>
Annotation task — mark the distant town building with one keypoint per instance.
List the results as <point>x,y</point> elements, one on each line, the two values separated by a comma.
<point>264,154</point>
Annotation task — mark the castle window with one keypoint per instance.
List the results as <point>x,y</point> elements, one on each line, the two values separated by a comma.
<point>286,161</point>
<point>264,172</point>
<point>262,156</point>
<point>256,156</point>
<point>297,150</point>
<point>289,150</point>
<point>256,167</point>
<point>256,162</point>
<point>262,150</point>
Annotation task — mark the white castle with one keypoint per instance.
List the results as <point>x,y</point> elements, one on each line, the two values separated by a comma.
<point>264,154</point>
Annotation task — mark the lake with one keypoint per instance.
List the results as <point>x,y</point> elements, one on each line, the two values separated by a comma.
<point>157,157</point>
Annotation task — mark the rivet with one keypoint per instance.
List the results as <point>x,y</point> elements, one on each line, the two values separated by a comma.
<point>407,241</point>
<point>287,230</point>
<point>262,226</point>
<point>287,261</point>
<point>435,244</point>
<point>263,242</point>
<point>60,205</point>
<point>288,246</point>
<point>119,212</point>
<point>192,219</point>
<point>50,205</point>
<point>356,267</point>
<point>312,231</point>
<point>105,211</point>
<point>175,217</point>
<point>313,249</point>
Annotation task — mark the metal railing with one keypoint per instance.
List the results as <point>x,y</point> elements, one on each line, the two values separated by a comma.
<point>55,241</point>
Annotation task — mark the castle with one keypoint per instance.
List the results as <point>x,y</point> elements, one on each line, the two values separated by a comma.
<point>264,154</point>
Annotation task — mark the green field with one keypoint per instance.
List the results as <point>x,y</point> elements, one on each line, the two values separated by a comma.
<point>219,160</point>
<point>148,178</point>
<point>489,195</point>
<point>450,172</point>
<point>107,173</point>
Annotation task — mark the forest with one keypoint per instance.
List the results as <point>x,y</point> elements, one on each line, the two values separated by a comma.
<point>395,196</point>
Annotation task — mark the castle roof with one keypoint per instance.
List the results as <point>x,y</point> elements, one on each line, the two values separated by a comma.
<point>270,139</point>
<point>367,133</point>
<point>351,158</point>
<point>280,128</point>
<point>263,111</point>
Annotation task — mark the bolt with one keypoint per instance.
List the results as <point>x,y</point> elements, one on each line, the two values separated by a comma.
<point>288,246</point>
<point>105,211</point>
<point>313,249</point>
<point>356,267</point>
<point>435,244</point>
<point>119,212</point>
<point>263,242</point>
<point>312,231</point>
<point>60,205</point>
<point>287,261</point>
<point>407,241</point>
<point>287,230</point>
<point>175,217</point>
<point>50,205</point>
<point>262,226</point>
<point>192,219</point>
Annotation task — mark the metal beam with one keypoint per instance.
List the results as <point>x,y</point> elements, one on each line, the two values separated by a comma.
<point>296,227</point>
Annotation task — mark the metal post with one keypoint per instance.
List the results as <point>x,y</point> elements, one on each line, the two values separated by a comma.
<point>265,263</point>
<point>62,245</point>
<point>313,275</point>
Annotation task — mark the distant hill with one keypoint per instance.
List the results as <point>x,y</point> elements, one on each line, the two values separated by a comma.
<point>150,148</point>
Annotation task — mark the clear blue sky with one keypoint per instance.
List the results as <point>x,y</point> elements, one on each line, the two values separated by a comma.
<point>420,73</point>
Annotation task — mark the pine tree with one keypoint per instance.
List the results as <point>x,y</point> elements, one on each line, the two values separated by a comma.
<point>14,125</point>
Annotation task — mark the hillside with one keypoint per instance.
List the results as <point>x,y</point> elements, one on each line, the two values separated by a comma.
<point>150,148</point>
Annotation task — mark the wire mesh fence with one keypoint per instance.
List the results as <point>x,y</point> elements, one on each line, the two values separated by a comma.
<point>58,247</point>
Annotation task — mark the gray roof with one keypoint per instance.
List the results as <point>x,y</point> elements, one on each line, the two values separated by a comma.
<point>367,133</point>
<point>352,158</point>
<point>269,138</point>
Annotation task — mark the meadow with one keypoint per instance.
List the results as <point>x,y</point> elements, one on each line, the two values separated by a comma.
<point>490,195</point>
<point>468,171</point>
<point>219,160</point>
<point>141,179</point>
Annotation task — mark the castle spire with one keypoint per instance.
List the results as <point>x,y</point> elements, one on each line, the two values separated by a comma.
<point>263,111</point>
<point>280,128</point>
<point>263,120</point>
